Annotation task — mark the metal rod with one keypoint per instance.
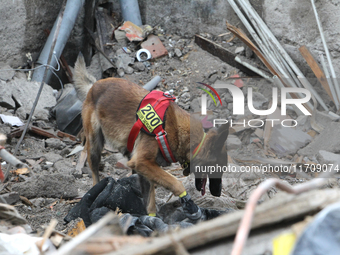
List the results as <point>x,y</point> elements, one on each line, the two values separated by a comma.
<point>336,84</point>
<point>253,68</point>
<point>329,80</point>
<point>251,11</point>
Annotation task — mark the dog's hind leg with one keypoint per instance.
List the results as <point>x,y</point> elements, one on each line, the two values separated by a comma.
<point>148,193</point>
<point>94,146</point>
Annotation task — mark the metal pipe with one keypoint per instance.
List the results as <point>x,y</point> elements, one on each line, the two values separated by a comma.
<point>153,83</point>
<point>70,15</point>
<point>253,68</point>
<point>130,11</point>
<point>329,80</point>
<point>251,11</point>
<point>336,84</point>
<point>10,159</point>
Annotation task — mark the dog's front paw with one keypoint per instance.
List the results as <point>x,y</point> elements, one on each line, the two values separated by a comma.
<point>191,210</point>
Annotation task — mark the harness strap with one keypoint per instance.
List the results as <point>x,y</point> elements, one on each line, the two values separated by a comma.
<point>160,103</point>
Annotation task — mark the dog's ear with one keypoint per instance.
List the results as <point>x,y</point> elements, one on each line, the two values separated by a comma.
<point>221,137</point>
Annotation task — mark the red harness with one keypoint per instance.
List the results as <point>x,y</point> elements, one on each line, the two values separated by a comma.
<point>150,119</point>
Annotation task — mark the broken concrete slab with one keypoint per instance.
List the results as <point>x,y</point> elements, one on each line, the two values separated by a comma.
<point>11,198</point>
<point>287,141</point>
<point>48,185</point>
<point>326,157</point>
<point>328,139</point>
<point>52,157</point>
<point>233,142</point>
<point>259,100</point>
<point>6,73</point>
<point>24,93</point>
<point>6,99</point>
<point>55,143</point>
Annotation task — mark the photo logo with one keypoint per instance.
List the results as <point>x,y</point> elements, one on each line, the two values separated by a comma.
<point>238,100</point>
<point>213,90</point>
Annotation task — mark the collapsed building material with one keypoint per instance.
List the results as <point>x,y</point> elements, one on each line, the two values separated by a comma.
<point>329,59</point>
<point>318,72</point>
<point>222,53</point>
<point>246,223</point>
<point>283,207</point>
<point>271,47</point>
<point>49,59</point>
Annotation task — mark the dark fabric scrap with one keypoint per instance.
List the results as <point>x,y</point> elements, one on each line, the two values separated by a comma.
<point>125,194</point>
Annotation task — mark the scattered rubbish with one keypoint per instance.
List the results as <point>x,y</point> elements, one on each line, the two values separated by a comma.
<point>77,149</point>
<point>68,113</point>
<point>133,32</point>
<point>239,50</point>
<point>126,50</point>
<point>22,244</point>
<point>79,226</point>
<point>154,45</point>
<point>12,120</point>
<point>238,81</point>
<point>284,244</point>
<point>143,55</point>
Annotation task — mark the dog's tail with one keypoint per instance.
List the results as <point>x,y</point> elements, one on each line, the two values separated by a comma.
<point>82,80</point>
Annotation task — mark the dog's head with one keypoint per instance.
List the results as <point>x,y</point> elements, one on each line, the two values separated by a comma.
<point>210,160</point>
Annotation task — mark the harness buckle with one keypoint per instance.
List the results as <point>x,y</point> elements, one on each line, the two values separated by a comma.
<point>164,133</point>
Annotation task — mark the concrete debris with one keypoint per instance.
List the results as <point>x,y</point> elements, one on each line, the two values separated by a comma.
<point>178,52</point>
<point>233,142</point>
<point>303,123</point>
<point>123,60</point>
<point>138,66</point>
<point>7,73</point>
<point>23,93</point>
<point>11,198</point>
<point>328,139</point>
<point>47,185</point>
<point>287,141</point>
<point>259,100</point>
<point>239,50</point>
<point>326,157</point>
<point>55,143</point>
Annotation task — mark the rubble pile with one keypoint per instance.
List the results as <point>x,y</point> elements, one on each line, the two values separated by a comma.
<point>52,185</point>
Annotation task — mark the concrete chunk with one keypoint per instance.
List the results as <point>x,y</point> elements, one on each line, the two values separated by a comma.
<point>326,157</point>
<point>328,140</point>
<point>287,141</point>
<point>47,185</point>
<point>233,142</point>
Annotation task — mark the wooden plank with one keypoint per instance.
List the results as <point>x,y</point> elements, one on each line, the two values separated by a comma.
<point>316,69</point>
<point>222,53</point>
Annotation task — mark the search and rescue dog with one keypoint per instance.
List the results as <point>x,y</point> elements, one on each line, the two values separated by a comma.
<point>109,113</point>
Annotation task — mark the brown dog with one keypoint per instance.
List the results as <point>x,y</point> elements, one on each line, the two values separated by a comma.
<point>109,112</point>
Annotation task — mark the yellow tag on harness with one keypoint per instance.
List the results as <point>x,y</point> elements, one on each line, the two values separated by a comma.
<point>149,117</point>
